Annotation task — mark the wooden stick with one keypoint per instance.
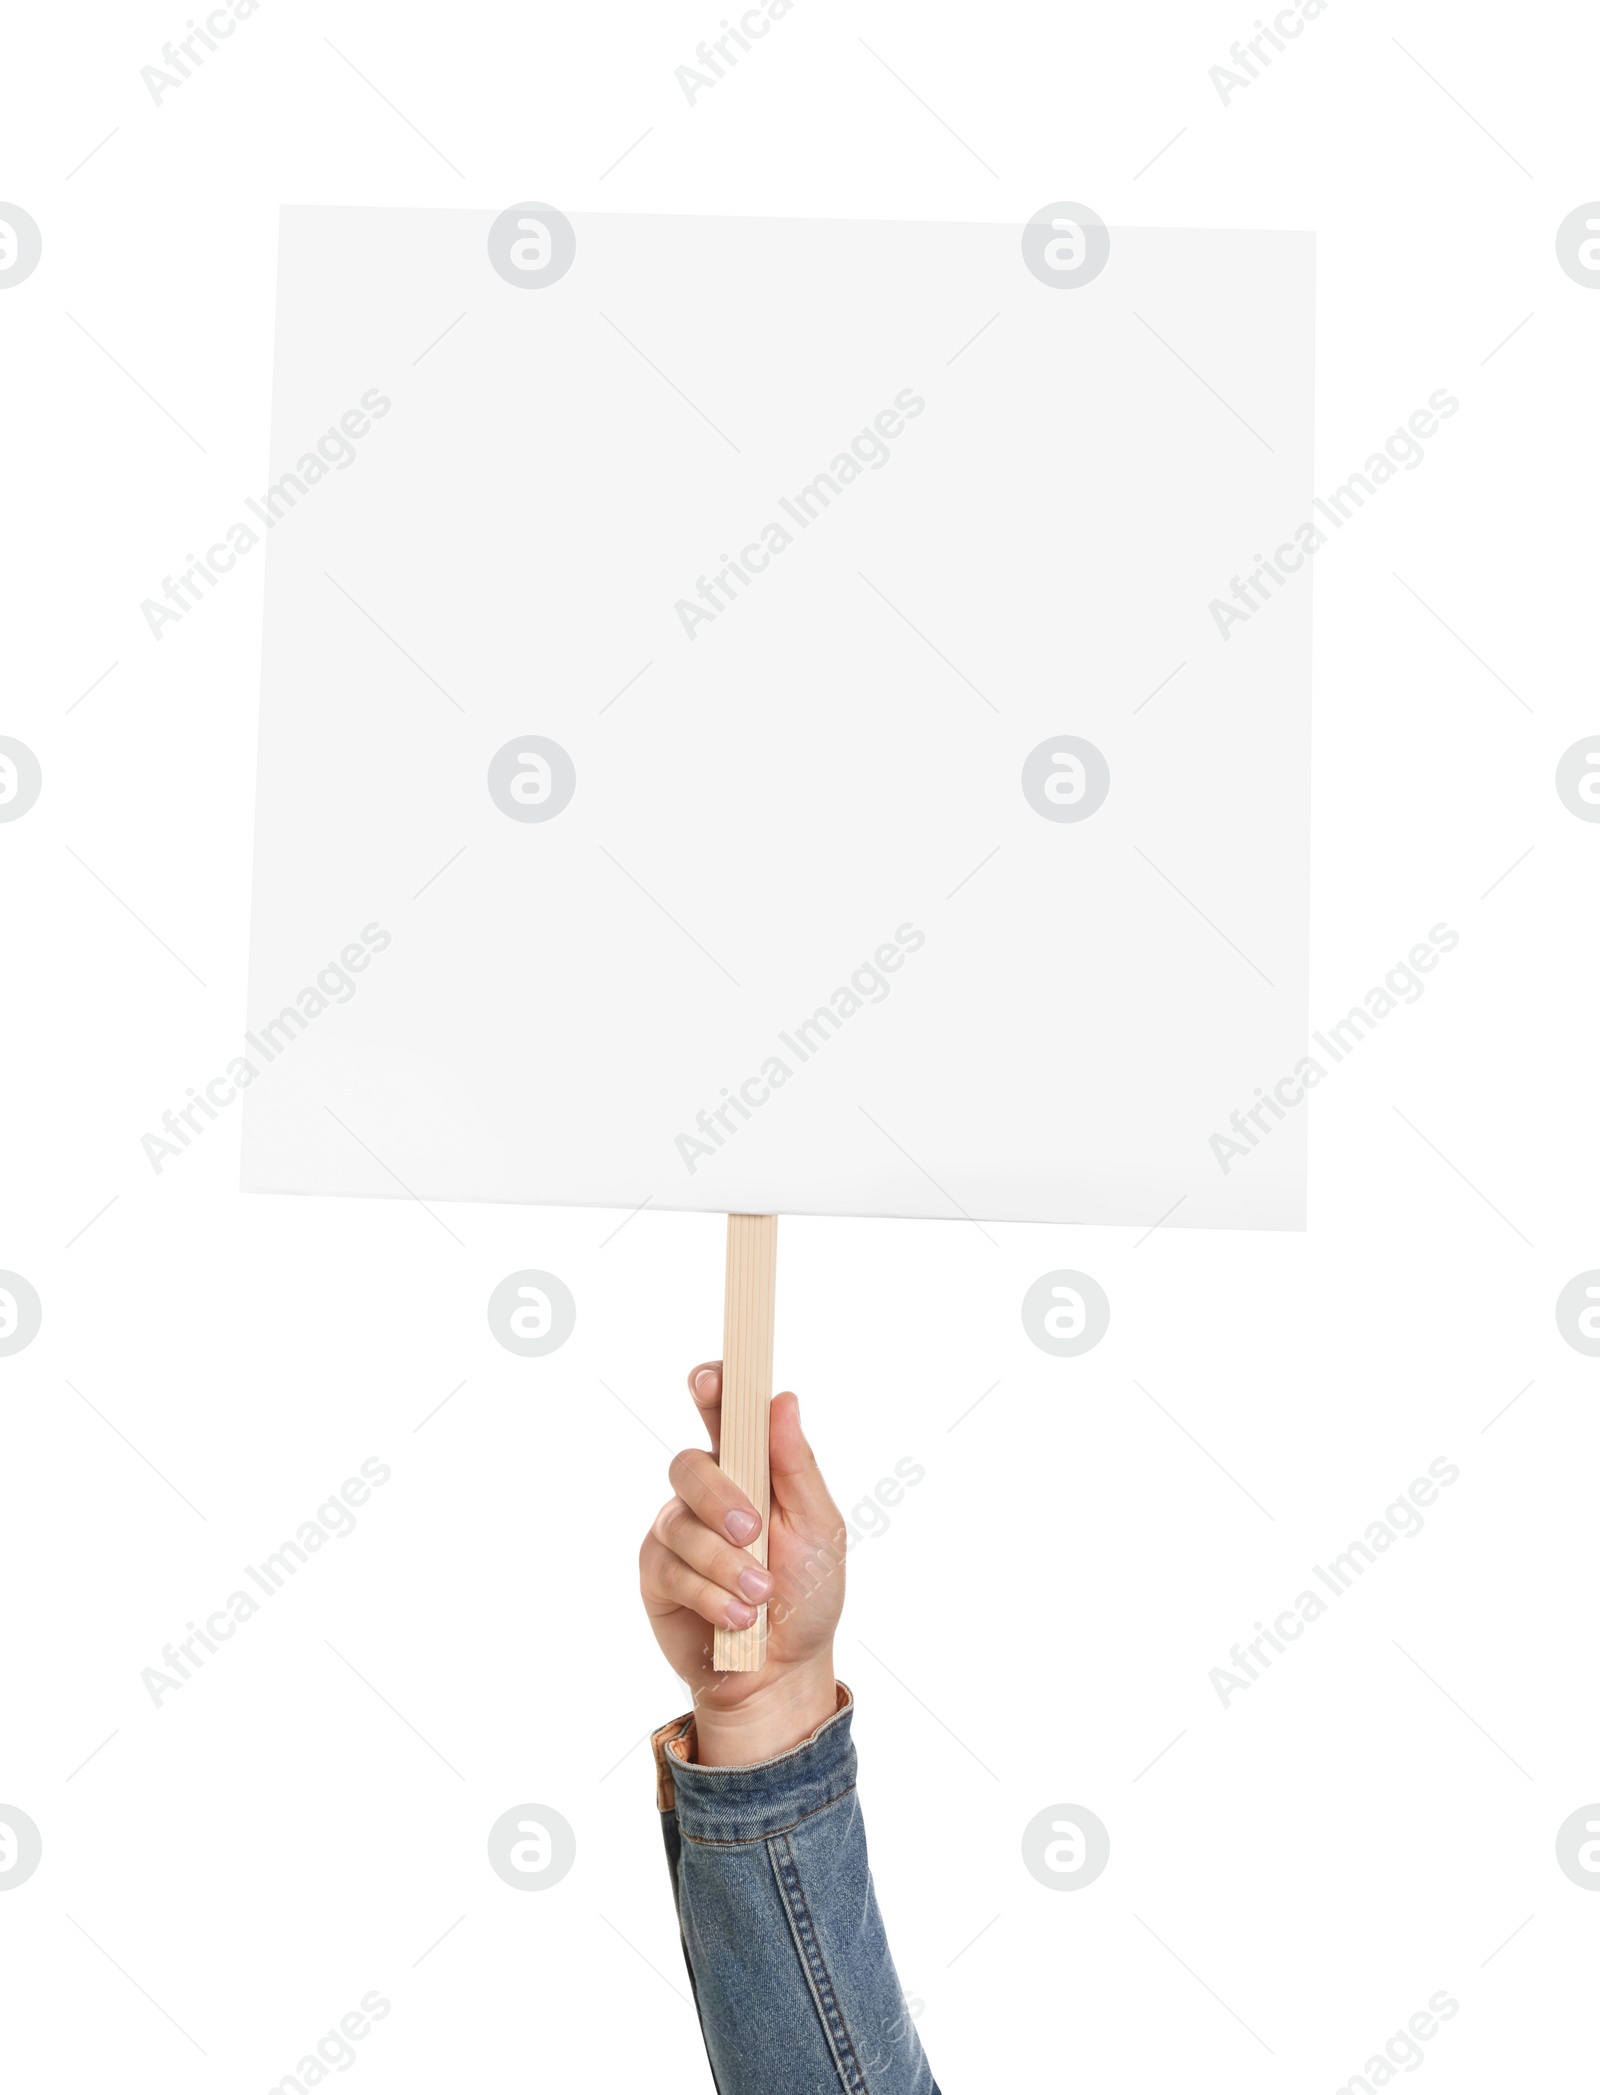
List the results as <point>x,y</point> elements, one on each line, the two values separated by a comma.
<point>747,1313</point>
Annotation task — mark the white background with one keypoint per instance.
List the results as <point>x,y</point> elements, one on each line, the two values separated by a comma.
<point>1297,1874</point>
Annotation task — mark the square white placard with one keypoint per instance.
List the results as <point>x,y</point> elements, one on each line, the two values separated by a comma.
<point>789,715</point>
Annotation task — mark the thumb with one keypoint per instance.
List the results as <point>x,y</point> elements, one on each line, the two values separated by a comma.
<point>798,1487</point>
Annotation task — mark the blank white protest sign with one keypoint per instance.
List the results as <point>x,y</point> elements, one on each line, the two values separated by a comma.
<point>802,584</point>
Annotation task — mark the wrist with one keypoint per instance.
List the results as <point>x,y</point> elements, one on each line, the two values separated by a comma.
<point>779,1715</point>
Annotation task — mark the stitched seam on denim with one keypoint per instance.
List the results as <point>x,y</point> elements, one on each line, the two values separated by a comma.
<point>818,1977</point>
<point>702,1840</point>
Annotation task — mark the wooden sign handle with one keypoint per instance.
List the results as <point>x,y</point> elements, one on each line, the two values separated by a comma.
<point>747,1312</point>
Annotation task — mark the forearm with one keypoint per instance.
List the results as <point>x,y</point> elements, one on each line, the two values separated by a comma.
<point>795,1986</point>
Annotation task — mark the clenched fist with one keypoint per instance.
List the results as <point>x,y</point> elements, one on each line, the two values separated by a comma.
<point>696,1576</point>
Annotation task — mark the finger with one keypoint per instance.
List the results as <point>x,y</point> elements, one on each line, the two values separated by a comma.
<point>797,1483</point>
<point>667,1582</point>
<point>705,1386</point>
<point>714,1497</point>
<point>679,1529</point>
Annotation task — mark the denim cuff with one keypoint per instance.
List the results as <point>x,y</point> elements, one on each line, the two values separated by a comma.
<point>725,1807</point>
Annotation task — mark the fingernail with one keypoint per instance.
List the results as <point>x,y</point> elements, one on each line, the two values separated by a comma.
<point>742,1526</point>
<point>740,1616</point>
<point>705,1382</point>
<point>755,1584</point>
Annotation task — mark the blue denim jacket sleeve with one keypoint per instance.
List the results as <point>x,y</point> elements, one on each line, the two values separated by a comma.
<point>786,1952</point>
